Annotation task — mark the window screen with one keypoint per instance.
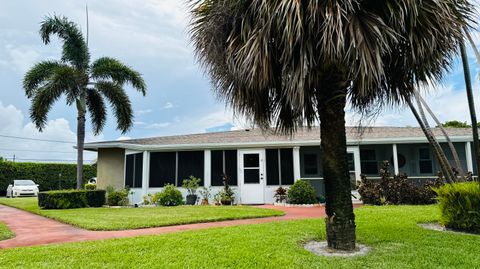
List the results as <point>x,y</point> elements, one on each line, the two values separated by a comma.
<point>368,161</point>
<point>190,163</point>
<point>223,162</point>
<point>272,167</point>
<point>425,162</point>
<point>162,168</point>
<point>286,162</point>
<point>130,161</point>
<point>134,170</point>
<point>310,164</point>
<point>279,167</point>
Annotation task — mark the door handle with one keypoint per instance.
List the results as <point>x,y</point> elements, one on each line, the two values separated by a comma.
<point>261,176</point>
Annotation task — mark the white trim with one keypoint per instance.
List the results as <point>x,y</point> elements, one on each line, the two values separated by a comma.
<point>395,159</point>
<point>207,172</point>
<point>468,153</point>
<point>202,146</point>
<point>145,172</point>
<point>356,160</point>
<point>296,163</point>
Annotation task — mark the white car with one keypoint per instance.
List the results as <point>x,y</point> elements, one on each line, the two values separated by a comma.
<point>24,187</point>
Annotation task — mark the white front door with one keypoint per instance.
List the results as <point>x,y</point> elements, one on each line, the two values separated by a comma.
<point>251,171</point>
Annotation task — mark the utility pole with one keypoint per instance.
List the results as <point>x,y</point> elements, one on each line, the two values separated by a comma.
<point>13,157</point>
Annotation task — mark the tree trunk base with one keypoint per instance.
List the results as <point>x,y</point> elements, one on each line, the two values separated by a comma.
<point>340,235</point>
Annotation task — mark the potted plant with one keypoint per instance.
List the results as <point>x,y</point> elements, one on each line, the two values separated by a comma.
<point>206,193</point>
<point>191,185</point>
<point>280,195</point>
<point>226,195</point>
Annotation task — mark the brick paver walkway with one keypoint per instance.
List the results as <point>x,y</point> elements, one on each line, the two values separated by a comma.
<point>32,230</point>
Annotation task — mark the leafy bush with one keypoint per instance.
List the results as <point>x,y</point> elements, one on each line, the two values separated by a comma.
<point>226,196</point>
<point>49,176</point>
<point>117,197</point>
<point>191,185</point>
<point>302,192</point>
<point>169,196</point>
<point>148,199</point>
<point>397,189</point>
<point>460,206</point>
<point>65,199</point>
<point>280,194</point>
<point>90,186</point>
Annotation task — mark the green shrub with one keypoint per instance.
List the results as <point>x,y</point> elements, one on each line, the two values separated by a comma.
<point>169,196</point>
<point>90,186</point>
<point>95,198</point>
<point>118,197</point>
<point>397,190</point>
<point>49,176</point>
<point>302,192</point>
<point>460,206</point>
<point>65,199</point>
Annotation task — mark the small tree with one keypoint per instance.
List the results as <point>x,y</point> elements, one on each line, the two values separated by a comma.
<point>85,85</point>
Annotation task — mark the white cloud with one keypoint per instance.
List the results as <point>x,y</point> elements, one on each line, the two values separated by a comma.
<point>19,58</point>
<point>157,125</point>
<point>168,105</point>
<point>11,124</point>
<point>123,138</point>
<point>143,112</point>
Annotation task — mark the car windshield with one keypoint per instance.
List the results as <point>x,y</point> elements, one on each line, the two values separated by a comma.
<point>23,182</point>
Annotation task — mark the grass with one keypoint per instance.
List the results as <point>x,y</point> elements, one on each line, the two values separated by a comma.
<point>5,233</point>
<point>392,231</point>
<point>133,218</point>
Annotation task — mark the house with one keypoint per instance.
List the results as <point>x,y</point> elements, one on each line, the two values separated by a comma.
<point>258,162</point>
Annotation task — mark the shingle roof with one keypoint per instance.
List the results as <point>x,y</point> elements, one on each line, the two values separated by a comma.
<point>303,135</point>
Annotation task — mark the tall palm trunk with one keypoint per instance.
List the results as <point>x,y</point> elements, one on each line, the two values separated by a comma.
<point>340,220</point>
<point>471,106</point>
<point>80,140</point>
<point>442,158</point>
<point>430,139</point>
<point>447,137</point>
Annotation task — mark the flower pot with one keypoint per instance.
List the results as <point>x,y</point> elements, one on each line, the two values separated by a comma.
<point>226,202</point>
<point>205,202</point>
<point>191,199</point>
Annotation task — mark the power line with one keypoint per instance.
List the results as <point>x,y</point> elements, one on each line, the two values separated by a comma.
<point>50,160</point>
<point>36,139</point>
<point>43,151</point>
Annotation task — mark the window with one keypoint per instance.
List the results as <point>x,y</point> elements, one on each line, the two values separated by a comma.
<point>223,162</point>
<point>279,166</point>
<point>310,164</point>
<point>424,161</point>
<point>134,170</point>
<point>174,167</point>
<point>162,168</point>
<point>190,163</point>
<point>351,162</point>
<point>368,161</point>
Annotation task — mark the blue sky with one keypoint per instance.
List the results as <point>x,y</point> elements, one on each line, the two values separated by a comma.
<point>150,36</point>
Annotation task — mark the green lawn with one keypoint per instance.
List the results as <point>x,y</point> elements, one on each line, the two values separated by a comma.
<point>131,218</point>
<point>392,231</point>
<point>5,233</point>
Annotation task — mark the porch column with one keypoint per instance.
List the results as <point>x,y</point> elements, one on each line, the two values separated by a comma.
<point>207,180</point>
<point>356,162</point>
<point>296,163</point>
<point>395,159</point>
<point>145,172</point>
<point>468,152</point>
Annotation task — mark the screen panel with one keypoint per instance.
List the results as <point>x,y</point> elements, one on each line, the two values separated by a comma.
<point>272,168</point>
<point>286,162</point>
<point>138,173</point>
<point>231,165</point>
<point>129,162</point>
<point>190,163</point>
<point>162,168</point>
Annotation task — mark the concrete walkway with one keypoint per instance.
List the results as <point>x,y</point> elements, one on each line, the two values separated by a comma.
<point>32,230</point>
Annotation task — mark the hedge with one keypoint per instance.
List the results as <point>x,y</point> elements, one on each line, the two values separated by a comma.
<point>65,199</point>
<point>460,206</point>
<point>46,175</point>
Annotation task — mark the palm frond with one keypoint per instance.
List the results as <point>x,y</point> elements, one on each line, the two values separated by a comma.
<point>75,49</point>
<point>96,108</point>
<point>119,102</point>
<point>274,60</point>
<point>42,102</point>
<point>38,75</point>
<point>110,68</point>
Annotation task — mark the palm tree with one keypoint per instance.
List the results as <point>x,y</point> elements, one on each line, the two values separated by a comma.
<point>83,84</point>
<point>284,62</point>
